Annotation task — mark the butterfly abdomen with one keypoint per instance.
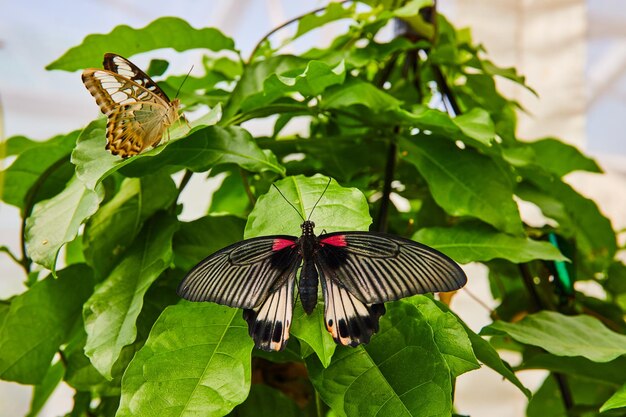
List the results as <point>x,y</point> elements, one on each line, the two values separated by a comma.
<point>308,286</point>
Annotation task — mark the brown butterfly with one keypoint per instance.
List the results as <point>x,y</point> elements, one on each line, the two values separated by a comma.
<point>138,110</point>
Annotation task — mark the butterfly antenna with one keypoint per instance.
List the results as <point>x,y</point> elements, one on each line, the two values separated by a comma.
<point>283,196</point>
<point>318,200</point>
<point>184,79</point>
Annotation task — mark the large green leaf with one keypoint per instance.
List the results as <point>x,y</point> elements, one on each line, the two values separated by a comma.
<point>477,242</point>
<point>112,229</point>
<point>338,209</point>
<point>565,335</point>
<point>111,313</point>
<point>198,239</point>
<point>401,372</point>
<point>450,336</point>
<point>205,148</point>
<point>55,222</point>
<point>196,362</point>
<point>39,321</point>
<point>165,32</point>
<point>94,163</point>
<point>464,182</point>
<point>35,158</point>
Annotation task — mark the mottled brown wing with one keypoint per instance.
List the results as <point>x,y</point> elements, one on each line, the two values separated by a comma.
<point>134,127</point>
<point>125,68</point>
<point>137,116</point>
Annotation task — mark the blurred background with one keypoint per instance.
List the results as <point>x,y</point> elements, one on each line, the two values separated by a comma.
<point>572,52</point>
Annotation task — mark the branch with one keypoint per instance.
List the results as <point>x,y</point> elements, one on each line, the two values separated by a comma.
<point>284,25</point>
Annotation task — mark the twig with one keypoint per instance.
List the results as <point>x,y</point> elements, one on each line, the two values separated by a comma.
<point>284,25</point>
<point>246,186</point>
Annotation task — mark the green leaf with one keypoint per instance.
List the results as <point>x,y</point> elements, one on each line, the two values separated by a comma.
<point>266,401</point>
<point>486,354</point>
<point>476,124</point>
<point>607,373</point>
<point>450,336</point>
<point>617,400</point>
<point>332,12</point>
<point>111,313</point>
<point>231,197</point>
<point>112,229</point>
<point>39,321</point>
<point>205,148</point>
<point>165,32</point>
<point>195,362</point>
<point>312,81</point>
<point>44,390</point>
<point>551,155</point>
<point>198,239</point>
<point>94,163</point>
<point>578,217</point>
<point>254,75</point>
<point>399,373</point>
<point>565,335</point>
<point>547,401</point>
<point>478,242</point>
<point>311,329</point>
<point>56,221</point>
<point>339,208</point>
<point>35,158</point>
<point>464,182</point>
<point>356,92</point>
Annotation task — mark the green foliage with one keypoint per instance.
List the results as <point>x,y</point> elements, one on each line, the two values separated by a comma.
<point>417,114</point>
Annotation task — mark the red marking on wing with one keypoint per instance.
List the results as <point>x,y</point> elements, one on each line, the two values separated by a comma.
<point>337,240</point>
<point>282,244</point>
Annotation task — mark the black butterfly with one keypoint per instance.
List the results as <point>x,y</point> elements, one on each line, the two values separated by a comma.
<point>359,271</point>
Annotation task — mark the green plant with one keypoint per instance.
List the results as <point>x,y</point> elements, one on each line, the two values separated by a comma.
<point>417,116</point>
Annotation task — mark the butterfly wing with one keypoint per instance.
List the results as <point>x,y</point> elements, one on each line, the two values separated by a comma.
<point>138,110</point>
<point>361,270</point>
<point>125,68</point>
<point>257,275</point>
<point>134,127</point>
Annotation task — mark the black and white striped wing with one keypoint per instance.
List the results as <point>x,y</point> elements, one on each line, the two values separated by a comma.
<point>125,68</point>
<point>377,267</point>
<point>349,320</point>
<point>257,275</point>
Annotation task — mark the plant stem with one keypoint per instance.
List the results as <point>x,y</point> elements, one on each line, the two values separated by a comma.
<point>246,186</point>
<point>284,25</point>
<point>318,404</point>
<point>390,168</point>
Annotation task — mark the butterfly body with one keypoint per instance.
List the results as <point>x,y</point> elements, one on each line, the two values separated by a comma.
<point>358,272</point>
<point>138,110</point>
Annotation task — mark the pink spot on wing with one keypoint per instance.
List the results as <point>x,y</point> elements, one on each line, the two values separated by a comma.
<point>282,244</point>
<point>337,240</point>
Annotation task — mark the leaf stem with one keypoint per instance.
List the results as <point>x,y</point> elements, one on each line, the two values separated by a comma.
<point>246,186</point>
<point>6,250</point>
<point>284,25</point>
<point>318,404</point>
<point>183,184</point>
